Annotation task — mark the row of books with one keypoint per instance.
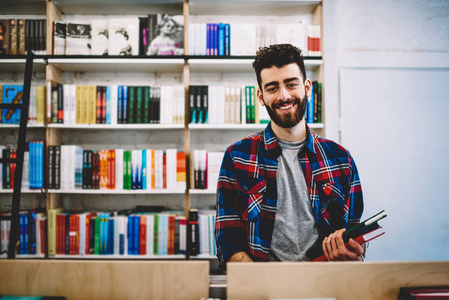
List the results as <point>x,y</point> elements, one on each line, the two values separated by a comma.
<point>117,104</point>
<point>202,232</point>
<point>14,94</point>
<point>72,167</point>
<point>156,34</point>
<point>206,168</point>
<point>19,36</point>
<point>105,233</point>
<point>31,235</point>
<point>224,39</point>
<point>33,166</point>
<point>219,104</point>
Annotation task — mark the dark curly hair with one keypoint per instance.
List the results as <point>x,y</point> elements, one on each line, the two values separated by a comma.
<point>278,55</point>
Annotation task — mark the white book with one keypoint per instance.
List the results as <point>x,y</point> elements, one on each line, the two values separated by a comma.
<point>158,169</point>
<point>26,170</point>
<point>119,169</point>
<point>123,232</point>
<point>197,39</point>
<point>228,107</point>
<point>182,234</point>
<point>82,234</point>
<point>139,168</point>
<point>78,41</point>
<point>203,39</point>
<point>212,245</point>
<point>39,217</point>
<point>212,105</point>
<point>66,102</point>
<point>100,42</point>
<point>134,168</point>
<point>64,167</point>
<point>214,159</point>
<point>243,39</point>
<point>32,106</point>
<point>72,105</point>
<point>292,33</point>
<point>191,39</point>
<point>114,99</point>
<point>124,36</point>
<point>171,168</point>
<point>161,234</point>
<point>150,234</point>
<point>203,233</point>
<point>243,105</point>
<point>60,30</point>
<point>221,99</point>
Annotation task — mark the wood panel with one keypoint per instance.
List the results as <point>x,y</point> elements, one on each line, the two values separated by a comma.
<point>80,279</point>
<point>342,280</point>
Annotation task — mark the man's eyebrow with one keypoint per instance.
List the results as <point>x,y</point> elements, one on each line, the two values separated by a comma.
<point>277,82</point>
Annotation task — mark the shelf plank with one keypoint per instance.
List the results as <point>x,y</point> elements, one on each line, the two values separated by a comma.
<point>116,256</point>
<point>119,126</point>
<point>116,192</point>
<point>17,65</point>
<point>251,8</point>
<point>241,126</point>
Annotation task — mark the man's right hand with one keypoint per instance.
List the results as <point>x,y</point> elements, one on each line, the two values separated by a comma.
<point>240,257</point>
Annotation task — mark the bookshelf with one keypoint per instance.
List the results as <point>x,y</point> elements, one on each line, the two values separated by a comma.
<point>182,70</point>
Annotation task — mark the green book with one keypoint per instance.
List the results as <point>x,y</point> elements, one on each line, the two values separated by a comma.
<point>131,104</point>
<point>127,169</point>
<point>155,235</point>
<point>139,104</point>
<point>146,105</point>
<point>252,104</point>
<point>97,235</point>
<point>248,104</point>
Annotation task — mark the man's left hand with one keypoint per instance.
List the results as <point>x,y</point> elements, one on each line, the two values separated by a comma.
<point>335,249</point>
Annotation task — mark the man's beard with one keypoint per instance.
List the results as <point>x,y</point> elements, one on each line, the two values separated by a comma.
<point>288,120</point>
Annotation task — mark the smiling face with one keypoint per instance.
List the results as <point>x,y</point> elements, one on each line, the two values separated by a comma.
<point>284,94</point>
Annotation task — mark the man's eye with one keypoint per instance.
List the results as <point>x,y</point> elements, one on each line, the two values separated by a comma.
<point>272,89</point>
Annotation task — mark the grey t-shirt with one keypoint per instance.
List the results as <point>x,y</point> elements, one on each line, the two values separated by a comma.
<point>294,226</point>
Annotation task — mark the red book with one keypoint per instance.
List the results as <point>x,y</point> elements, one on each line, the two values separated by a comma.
<point>164,168</point>
<point>42,232</point>
<point>72,235</point>
<point>143,235</point>
<point>98,105</point>
<point>171,234</point>
<point>362,239</point>
<point>13,155</point>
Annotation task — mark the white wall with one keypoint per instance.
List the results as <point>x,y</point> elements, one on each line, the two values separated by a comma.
<point>386,75</point>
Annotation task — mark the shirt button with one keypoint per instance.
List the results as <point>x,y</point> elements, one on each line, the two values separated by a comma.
<point>245,188</point>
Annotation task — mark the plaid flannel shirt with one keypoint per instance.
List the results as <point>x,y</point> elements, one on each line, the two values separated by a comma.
<point>247,192</point>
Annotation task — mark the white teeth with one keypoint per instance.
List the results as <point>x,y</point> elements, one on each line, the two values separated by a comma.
<point>288,106</point>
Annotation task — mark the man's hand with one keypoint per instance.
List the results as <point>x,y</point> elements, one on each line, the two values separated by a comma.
<point>240,257</point>
<point>334,248</point>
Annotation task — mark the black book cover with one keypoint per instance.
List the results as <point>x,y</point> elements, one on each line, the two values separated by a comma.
<point>51,167</point>
<point>193,234</point>
<point>205,103</point>
<point>57,168</point>
<point>198,105</point>
<point>157,105</point>
<point>192,114</point>
<point>60,116</point>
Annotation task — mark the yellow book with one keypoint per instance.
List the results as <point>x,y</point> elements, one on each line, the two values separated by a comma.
<point>52,229</point>
<point>93,104</point>
<point>79,103</point>
<point>85,105</point>
<point>40,100</point>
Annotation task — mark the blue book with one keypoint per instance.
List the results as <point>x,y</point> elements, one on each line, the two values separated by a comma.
<point>40,164</point>
<point>121,244</point>
<point>104,235</point>
<point>120,104</point>
<point>144,169</point>
<point>21,234</point>
<point>221,39</point>
<point>31,164</point>
<point>130,234</point>
<point>125,104</point>
<point>32,230</point>
<point>12,94</point>
<point>208,39</point>
<point>111,225</point>
<point>108,105</point>
<point>310,106</point>
<point>227,39</point>
<point>136,238</point>
<point>215,39</point>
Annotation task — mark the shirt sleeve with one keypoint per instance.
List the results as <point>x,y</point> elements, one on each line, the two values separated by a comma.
<point>355,195</point>
<point>229,229</point>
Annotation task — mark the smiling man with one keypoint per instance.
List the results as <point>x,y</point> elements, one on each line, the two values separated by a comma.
<point>285,189</point>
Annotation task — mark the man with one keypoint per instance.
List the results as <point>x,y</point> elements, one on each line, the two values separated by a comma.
<point>285,189</point>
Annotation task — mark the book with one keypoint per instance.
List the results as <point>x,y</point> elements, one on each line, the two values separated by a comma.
<point>100,41</point>
<point>167,37</point>
<point>4,33</point>
<point>60,34</point>
<point>423,292</point>
<point>360,229</point>
<point>123,36</point>
<point>193,232</point>
<point>12,94</point>
<point>78,39</point>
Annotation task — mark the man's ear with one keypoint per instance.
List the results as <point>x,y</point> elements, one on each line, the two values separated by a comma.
<point>260,97</point>
<point>308,86</point>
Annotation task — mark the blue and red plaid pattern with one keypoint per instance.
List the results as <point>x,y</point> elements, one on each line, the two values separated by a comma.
<point>247,192</point>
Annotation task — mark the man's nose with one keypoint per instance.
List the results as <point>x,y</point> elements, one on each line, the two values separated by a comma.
<point>284,94</point>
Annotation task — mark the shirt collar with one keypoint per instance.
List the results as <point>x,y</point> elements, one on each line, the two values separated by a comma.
<point>271,144</point>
